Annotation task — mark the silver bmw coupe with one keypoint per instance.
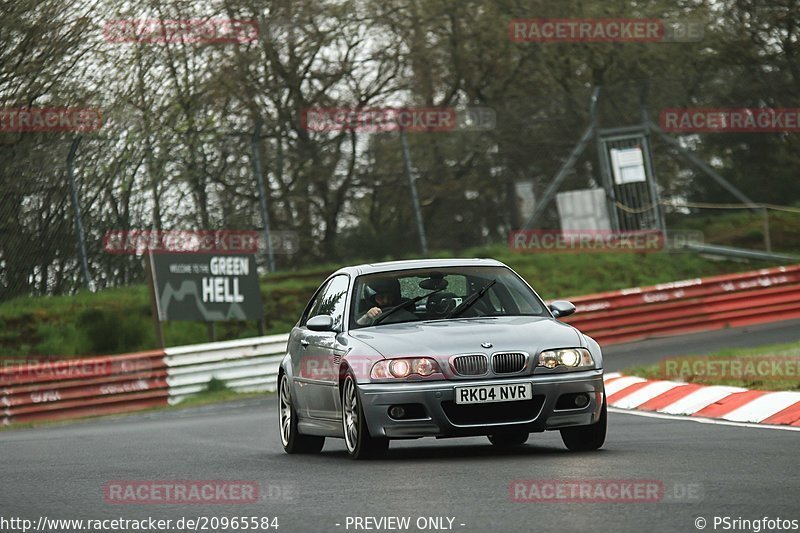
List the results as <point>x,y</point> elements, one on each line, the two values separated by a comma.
<point>436,348</point>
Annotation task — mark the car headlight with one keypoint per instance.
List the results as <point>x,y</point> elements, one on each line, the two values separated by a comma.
<point>402,368</point>
<point>569,357</point>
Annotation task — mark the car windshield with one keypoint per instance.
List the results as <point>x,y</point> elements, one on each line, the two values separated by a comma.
<point>434,294</point>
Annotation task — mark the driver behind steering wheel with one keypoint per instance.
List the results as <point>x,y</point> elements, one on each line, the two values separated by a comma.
<point>386,294</point>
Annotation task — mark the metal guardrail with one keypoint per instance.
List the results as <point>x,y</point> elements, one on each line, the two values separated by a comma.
<point>701,304</point>
<point>739,253</point>
<point>114,384</point>
<point>245,365</point>
<point>130,382</point>
<point>82,387</point>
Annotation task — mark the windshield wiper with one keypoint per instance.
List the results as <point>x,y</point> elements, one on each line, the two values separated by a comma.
<point>404,304</point>
<point>471,300</point>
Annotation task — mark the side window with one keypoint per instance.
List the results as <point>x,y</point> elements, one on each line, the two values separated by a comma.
<point>332,301</point>
<point>312,309</point>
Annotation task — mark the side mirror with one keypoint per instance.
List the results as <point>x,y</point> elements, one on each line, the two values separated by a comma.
<point>320,323</point>
<point>562,308</point>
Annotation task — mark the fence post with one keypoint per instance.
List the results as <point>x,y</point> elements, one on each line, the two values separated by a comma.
<point>423,242</point>
<point>262,194</point>
<point>73,192</point>
<point>154,306</point>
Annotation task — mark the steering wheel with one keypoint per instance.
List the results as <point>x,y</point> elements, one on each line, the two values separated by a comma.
<point>440,304</point>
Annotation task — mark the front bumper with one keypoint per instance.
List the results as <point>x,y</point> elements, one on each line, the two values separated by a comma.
<point>446,419</point>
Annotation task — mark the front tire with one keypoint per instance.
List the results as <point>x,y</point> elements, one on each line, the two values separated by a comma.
<point>359,443</point>
<point>293,441</point>
<point>587,438</point>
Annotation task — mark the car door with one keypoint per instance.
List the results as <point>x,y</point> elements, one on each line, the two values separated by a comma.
<point>319,353</point>
<point>303,364</point>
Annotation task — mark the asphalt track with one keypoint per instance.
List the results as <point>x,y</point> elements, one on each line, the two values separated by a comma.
<point>705,470</point>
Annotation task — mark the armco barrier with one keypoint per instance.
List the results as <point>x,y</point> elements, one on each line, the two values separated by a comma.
<point>104,385</point>
<point>244,365</point>
<point>72,388</point>
<point>701,304</point>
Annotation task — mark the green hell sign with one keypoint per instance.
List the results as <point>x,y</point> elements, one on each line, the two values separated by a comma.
<point>206,287</point>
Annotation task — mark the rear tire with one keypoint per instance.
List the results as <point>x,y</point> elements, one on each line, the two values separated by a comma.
<point>359,443</point>
<point>587,438</point>
<point>291,439</point>
<point>507,440</point>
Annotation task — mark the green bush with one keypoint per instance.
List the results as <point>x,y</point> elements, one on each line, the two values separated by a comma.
<point>58,339</point>
<point>108,331</point>
<point>216,385</point>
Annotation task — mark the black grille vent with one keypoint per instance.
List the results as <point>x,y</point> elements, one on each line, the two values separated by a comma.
<point>470,365</point>
<point>493,413</point>
<point>508,363</point>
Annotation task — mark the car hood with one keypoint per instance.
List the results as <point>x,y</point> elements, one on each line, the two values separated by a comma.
<point>448,337</point>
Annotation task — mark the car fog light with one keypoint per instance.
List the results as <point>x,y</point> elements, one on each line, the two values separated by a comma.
<point>397,412</point>
<point>581,400</point>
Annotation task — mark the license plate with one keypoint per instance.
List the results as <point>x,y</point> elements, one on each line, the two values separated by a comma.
<point>494,393</point>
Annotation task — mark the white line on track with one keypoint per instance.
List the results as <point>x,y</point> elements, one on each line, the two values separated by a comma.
<point>701,420</point>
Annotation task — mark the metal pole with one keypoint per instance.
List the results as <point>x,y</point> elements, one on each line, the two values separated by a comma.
<point>651,173</point>
<point>423,243</point>
<point>262,194</point>
<point>607,180</point>
<point>77,209</point>
<point>767,237</point>
<point>696,161</point>
<point>154,306</point>
<point>552,189</point>
<point>652,185</point>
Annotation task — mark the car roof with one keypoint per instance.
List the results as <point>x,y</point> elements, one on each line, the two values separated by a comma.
<point>412,264</point>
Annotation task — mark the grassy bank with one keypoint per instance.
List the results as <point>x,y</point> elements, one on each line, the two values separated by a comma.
<point>770,367</point>
<point>118,320</point>
<point>743,229</point>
